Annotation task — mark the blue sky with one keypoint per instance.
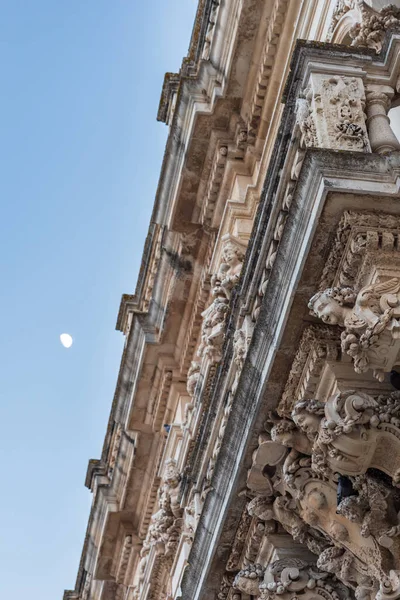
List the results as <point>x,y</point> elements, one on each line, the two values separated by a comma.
<point>80,152</point>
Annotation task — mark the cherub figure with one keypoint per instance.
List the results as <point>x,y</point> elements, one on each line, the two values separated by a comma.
<point>233,256</point>
<point>307,415</point>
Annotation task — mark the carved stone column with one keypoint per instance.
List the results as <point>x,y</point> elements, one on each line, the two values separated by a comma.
<point>381,136</point>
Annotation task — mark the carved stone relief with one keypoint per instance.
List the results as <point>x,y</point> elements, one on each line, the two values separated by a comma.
<point>213,326</point>
<point>317,345</point>
<point>342,7</point>
<point>331,113</point>
<point>334,488</point>
<point>370,320</point>
<point>290,578</point>
<point>364,299</point>
<point>370,32</point>
<point>166,523</point>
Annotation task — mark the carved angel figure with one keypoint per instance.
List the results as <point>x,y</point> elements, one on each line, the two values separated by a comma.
<point>192,377</point>
<point>371,320</point>
<point>222,283</point>
<point>233,256</point>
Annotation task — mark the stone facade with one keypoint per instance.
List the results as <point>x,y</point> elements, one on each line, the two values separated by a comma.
<point>253,446</point>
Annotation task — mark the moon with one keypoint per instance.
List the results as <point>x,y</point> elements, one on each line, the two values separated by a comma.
<point>66,340</point>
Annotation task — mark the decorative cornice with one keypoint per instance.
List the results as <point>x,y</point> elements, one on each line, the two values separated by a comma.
<point>275,27</point>
<point>169,89</point>
<point>129,303</point>
<point>96,468</point>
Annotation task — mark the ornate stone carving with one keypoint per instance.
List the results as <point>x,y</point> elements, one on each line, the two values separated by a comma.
<point>233,251</point>
<point>241,342</point>
<point>248,579</point>
<point>213,327</point>
<point>305,120</point>
<point>341,8</point>
<point>371,31</point>
<point>370,320</point>
<point>352,432</point>
<point>233,562</point>
<point>192,377</point>
<point>289,578</point>
<point>332,113</point>
<point>355,531</point>
<point>166,523</point>
<point>317,344</point>
<point>363,239</point>
<point>226,586</point>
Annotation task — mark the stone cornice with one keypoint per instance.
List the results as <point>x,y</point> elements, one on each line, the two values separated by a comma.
<point>170,87</point>
<point>128,304</point>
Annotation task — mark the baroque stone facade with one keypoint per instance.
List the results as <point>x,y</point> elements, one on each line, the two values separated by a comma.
<point>253,445</point>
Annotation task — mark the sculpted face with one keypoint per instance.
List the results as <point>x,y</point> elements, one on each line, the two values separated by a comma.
<point>327,309</point>
<point>230,255</point>
<point>307,422</point>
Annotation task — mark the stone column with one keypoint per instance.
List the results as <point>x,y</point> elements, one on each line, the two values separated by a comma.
<point>381,136</point>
